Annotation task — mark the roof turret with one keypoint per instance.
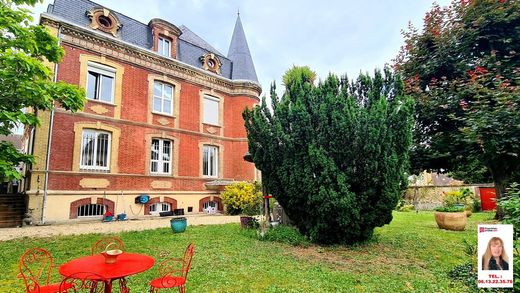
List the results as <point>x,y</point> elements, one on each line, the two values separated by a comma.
<point>243,67</point>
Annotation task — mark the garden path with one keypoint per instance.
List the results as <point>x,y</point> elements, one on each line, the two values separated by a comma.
<point>85,227</point>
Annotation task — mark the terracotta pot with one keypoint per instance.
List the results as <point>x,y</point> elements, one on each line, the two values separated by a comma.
<point>451,221</point>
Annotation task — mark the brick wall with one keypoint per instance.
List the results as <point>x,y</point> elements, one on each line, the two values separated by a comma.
<point>133,152</point>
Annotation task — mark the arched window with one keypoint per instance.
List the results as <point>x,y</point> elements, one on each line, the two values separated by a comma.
<point>91,210</point>
<point>210,207</point>
<point>159,207</point>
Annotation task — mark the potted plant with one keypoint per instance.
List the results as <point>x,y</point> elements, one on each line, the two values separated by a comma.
<point>245,199</point>
<point>451,218</point>
<point>462,198</point>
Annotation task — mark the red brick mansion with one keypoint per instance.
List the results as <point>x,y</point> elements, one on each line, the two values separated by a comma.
<point>162,122</point>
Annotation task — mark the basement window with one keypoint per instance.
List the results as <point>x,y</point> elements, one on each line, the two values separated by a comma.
<point>91,210</point>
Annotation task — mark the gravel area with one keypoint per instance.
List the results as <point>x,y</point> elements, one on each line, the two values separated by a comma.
<point>86,227</point>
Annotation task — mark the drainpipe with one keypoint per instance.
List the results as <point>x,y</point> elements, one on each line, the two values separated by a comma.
<point>49,142</point>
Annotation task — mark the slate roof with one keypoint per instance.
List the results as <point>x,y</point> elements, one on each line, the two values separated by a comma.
<point>190,46</point>
<point>243,67</point>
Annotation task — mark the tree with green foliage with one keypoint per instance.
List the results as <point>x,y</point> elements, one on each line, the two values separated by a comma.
<point>26,84</point>
<point>334,155</point>
<point>463,71</point>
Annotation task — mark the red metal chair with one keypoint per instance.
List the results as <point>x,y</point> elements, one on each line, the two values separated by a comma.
<point>83,282</point>
<point>101,244</point>
<point>174,272</point>
<point>35,268</point>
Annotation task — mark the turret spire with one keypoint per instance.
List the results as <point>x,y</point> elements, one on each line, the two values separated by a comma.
<point>243,67</point>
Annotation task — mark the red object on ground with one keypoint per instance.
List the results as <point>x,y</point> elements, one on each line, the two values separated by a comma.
<point>488,198</point>
<point>127,264</point>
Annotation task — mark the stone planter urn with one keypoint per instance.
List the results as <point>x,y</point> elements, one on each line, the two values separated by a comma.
<point>455,221</point>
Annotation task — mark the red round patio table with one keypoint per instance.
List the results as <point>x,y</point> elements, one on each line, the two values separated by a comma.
<point>127,264</point>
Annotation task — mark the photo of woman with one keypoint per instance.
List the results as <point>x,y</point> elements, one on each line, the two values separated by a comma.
<point>495,257</point>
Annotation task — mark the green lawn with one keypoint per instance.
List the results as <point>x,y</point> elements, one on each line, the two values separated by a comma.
<point>411,254</point>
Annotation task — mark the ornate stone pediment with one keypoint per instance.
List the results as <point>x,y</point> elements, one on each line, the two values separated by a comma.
<point>104,20</point>
<point>211,63</point>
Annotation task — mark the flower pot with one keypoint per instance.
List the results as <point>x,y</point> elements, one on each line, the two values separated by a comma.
<point>178,224</point>
<point>451,221</point>
<point>246,222</point>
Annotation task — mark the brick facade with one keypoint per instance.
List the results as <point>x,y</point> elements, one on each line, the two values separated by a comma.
<point>132,125</point>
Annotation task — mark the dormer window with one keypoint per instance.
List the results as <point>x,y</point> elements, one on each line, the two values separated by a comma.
<point>165,37</point>
<point>211,63</point>
<point>164,47</point>
<point>104,20</point>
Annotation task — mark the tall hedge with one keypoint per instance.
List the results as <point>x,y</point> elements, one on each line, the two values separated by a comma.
<point>334,155</point>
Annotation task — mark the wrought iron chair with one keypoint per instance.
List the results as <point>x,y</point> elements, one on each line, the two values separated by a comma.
<point>35,268</point>
<point>100,245</point>
<point>83,282</point>
<point>174,272</point>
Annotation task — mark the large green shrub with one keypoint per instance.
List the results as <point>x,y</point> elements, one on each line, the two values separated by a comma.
<point>242,198</point>
<point>510,204</point>
<point>334,155</point>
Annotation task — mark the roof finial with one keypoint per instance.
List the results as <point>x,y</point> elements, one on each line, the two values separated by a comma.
<point>238,12</point>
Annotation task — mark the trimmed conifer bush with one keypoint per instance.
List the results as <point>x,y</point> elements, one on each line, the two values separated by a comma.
<point>334,155</point>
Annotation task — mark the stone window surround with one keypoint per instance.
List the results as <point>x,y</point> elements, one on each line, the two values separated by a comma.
<point>211,93</point>
<point>220,147</point>
<point>175,99</point>
<point>101,70</point>
<point>73,214</point>
<point>114,147</point>
<point>94,167</point>
<point>158,199</point>
<point>84,59</point>
<point>210,198</point>
<point>175,154</point>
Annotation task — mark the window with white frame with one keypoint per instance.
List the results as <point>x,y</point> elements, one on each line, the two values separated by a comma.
<point>158,207</point>
<point>91,210</point>
<point>100,82</point>
<point>161,156</point>
<point>162,98</point>
<point>210,207</point>
<point>211,110</point>
<point>95,150</point>
<point>210,161</point>
<point>164,47</point>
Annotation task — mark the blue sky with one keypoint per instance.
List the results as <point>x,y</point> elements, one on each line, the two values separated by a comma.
<point>338,36</point>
